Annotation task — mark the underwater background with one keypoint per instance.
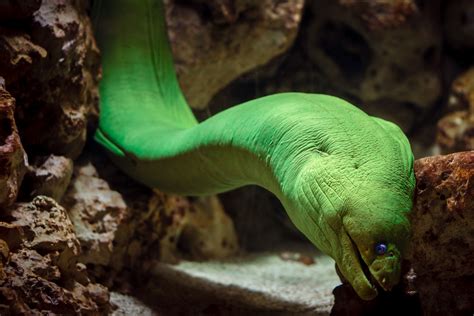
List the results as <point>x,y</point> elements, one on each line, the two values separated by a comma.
<point>78,236</point>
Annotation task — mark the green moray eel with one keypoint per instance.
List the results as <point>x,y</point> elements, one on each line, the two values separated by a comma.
<point>345,178</point>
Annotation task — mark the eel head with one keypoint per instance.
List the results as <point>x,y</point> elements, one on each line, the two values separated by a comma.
<point>371,251</point>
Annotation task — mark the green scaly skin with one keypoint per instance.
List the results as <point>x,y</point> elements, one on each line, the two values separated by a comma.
<point>345,178</point>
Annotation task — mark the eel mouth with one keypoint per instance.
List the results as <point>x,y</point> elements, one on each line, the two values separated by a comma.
<point>365,269</point>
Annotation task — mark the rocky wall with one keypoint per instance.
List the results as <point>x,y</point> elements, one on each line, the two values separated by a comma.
<point>439,270</point>
<point>72,226</point>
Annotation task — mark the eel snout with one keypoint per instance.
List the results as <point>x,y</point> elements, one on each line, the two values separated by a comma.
<point>354,269</point>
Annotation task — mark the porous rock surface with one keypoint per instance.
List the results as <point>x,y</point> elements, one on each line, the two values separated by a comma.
<point>52,69</point>
<point>13,160</point>
<point>39,270</point>
<point>438,277</point>
<point>117,230</point>
<point>239,36</point>
<point>442,254</point>
<point>49,176</point>
<point>456,129</point>
<point>380,14</point>
<point>362,51</point>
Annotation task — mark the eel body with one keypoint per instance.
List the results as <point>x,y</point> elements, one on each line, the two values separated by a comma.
<point>345,178</point>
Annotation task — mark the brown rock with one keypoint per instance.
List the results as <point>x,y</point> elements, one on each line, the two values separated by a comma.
<point>382,13</point>
<point>456,132</point>
<point>456,129</point>
<point>439,276</point>
<point>384,71</point>
<point>23,291</point>
<point>97,213</point>
<point>118,230</point>
<point>390,74</point>
<point>46,227</point>
<point>18,53</point>
<point>49,176</point>
<point>242,35</point>
<point>13,159</point>
<point>42,274</point>
<point>62,89</point>
<point>200,228</point>
<point>442,252</point>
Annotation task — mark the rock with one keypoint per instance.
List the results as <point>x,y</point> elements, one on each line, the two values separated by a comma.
<point>41,272</point>
<point>97,213</point>
<point>49,176</point>
<point>53,112</point>
<point>382,13</point>
<point>379,68</point>
<point>18,53</point>
<point>13,160</point>
<point>442,252</point>
<point>438,275</point>
<point>46,228</point>
<point>242,35</point>
<point>456,130</point>
<point>119,227</point>
<point>200,228</point>
<point>383,68</point>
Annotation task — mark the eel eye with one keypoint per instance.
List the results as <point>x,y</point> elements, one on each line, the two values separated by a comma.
<point>380,249</point>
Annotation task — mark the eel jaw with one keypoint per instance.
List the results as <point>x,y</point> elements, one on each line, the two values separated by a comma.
<point>365,268</point>
<point>351,267</point>
<point>376,276</point>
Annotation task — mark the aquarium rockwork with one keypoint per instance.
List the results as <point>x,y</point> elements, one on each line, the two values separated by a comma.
<point>236,157</point>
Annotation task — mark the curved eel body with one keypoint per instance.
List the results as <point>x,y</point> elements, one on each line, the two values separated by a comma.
<point>345,178</point>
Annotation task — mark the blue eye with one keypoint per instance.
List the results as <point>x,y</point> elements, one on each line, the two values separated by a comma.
<point>380,249</point>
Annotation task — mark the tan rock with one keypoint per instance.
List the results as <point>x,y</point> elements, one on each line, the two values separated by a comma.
<point>49,176</point>
<point>46,227</point>
<point>456,130</point>
<point>199,229</point>
<point>390,74</point>
<point>97,213</point>
<point>390,71</point>
<point>209,54</point>
<point>42,274</point>
<point>19,54</point>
